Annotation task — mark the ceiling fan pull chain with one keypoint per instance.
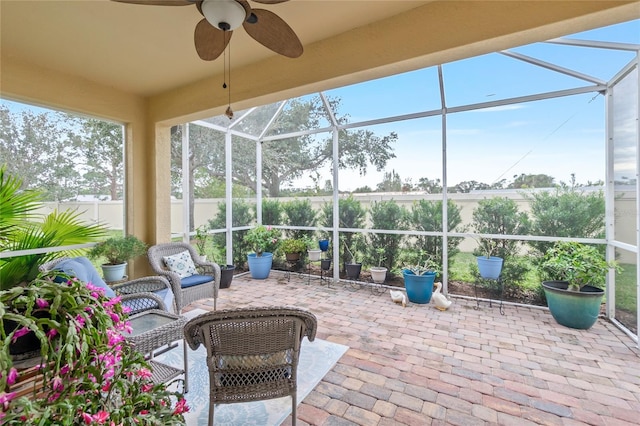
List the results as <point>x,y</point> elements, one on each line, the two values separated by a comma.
<point>229,111</point>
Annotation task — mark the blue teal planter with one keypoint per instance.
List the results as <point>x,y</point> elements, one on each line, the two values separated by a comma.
<point>573,309</point>
<point>419,287</point>
<point>489,267</point>
<point>260,266</point>
<point>324,245</point>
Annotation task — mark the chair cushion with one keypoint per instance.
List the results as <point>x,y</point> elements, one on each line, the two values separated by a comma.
<point>83,269</point>
<point>197,279</point>
<point>181,264</point>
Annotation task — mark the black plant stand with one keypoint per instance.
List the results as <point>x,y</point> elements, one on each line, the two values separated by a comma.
<point>323,278</point>
<point>500,284</point>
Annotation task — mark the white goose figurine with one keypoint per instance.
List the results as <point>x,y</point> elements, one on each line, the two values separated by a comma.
<point>398,297</point>
<point>438,298</point>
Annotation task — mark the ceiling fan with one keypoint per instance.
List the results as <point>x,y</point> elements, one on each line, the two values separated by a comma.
<point>221,17</point>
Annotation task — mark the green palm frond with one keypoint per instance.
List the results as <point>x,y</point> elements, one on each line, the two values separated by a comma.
<point>22,229</point>
<point>16,205</point>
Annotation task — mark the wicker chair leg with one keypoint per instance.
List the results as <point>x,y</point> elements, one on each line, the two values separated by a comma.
<point>211,407</point>
<point>293,410</point>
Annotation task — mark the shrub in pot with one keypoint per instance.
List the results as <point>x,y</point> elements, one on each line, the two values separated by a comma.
<point>117,251</point>
<point>576,278</point>
<point>293,248</point>
<point>264,241</point>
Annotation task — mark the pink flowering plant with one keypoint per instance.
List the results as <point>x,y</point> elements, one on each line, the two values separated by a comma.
<point>91,374</point>
<point>262,239</point>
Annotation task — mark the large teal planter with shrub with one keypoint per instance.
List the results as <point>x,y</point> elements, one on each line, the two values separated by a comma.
<point>260,266</point>
<point>573,309</point>
<point>419,287</point>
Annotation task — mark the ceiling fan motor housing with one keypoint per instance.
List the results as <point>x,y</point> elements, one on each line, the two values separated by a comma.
<point>226,15</point>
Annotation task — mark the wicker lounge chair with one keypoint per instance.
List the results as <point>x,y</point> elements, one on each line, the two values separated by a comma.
<point>138,295</point>
<point>204,283</point>
<point>252,353</point>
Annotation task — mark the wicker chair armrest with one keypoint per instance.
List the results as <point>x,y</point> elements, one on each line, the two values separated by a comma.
<point>146,284</point>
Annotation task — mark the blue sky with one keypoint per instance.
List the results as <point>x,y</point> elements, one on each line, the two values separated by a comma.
<point>556,137</point>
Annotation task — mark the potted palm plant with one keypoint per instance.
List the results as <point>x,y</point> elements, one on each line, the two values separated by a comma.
<point>117,251</point>
<point>23,228</point>
<point>576,277</point>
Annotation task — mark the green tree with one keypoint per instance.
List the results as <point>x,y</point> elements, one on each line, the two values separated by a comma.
<point>299,212</point>
<point>500,215</point>
<point>430,186</point>
<point>271,211</point>
<point>391,182</point>
<point>40,150</point>
<point>102,144</point>
<point>386,215</point>
<point>242,215</point>
<point>566,212</point>
<point>288,159</point>
<point>351,215</point>
<point>426,215</point>
<point>532,181</point>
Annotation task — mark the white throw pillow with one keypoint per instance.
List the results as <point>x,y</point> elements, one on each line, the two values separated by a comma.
<point>181,264</point>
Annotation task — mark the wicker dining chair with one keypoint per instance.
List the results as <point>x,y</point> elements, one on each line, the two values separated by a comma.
<point>204,283</point>
<point>252,353</point>
<point>141,294</point>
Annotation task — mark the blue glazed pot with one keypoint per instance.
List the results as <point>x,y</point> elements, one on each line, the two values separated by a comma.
<point>419,287</point>
<point>489,267</point>
<point>260,266</point>
<point>324,245</point>
<point>573,309</point>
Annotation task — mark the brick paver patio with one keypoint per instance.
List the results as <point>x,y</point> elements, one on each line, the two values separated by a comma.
<point>420,366</point>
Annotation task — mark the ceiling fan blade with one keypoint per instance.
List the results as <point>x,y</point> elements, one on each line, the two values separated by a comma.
<point>270,1</point>
<point>210,42</point>
<point>274,33</point>
<point>158,2</point>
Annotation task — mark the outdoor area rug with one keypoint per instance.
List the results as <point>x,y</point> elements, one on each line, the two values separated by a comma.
<point>316,359</point>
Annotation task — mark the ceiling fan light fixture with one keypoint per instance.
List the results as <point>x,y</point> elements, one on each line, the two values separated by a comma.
<point>226,15</point>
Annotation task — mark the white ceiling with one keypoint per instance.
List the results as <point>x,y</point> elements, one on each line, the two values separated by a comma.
<point>90,38</point>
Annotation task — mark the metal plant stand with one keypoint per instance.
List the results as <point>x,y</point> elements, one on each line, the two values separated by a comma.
<point>500,284</point>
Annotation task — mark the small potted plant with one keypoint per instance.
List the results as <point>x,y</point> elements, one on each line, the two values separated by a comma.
<point>200,240</point>
<point>577,276</point>
<point>88,372</point>
<point>263,240</point>
<point>379,273</point>
<point>352,267</point>
<point>226,272</point>
<point>117,251</point>
<point>419,279</point>
<point>292,248</point>
<point>489,266</point>
<point>313,250</point>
